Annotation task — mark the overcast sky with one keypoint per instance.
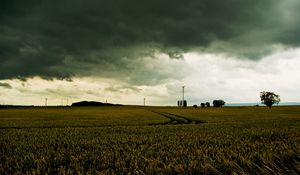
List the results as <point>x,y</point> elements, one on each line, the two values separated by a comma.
<point>125,50</point>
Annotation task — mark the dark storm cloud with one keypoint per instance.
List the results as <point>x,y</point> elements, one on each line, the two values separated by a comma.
<point>5,85</point>
<point>61,39</point>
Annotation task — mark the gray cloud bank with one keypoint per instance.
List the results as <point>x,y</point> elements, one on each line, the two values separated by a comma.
<point>66,38</point>
<point>5,85</point>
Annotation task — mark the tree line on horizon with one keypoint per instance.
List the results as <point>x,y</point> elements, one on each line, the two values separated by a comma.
<point>267,98</point>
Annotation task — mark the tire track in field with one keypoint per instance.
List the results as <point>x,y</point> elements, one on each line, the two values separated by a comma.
<point>190,121</point>
<point>172,119</point>
<point>176,119</point>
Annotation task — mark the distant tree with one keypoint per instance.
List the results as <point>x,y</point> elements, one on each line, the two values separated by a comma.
<point>269,98</point>
<point>207,104</point>
<point>195,106</point>
<point>218,103</point>
<point>202,105</point>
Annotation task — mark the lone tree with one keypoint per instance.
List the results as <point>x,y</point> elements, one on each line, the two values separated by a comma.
<point>269,98</point>
<point>218,103</point>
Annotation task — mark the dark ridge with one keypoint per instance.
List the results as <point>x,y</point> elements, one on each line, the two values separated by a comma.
<point>14,106</point>
<point>3,107</point>
<point>93,103</point>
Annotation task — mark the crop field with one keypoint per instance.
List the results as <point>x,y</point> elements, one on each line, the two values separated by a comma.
<point>150,140</point>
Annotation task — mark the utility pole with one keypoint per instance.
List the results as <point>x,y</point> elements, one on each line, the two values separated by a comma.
<point>182,94</point>
<point>46,101</point>
<point>144,101</point>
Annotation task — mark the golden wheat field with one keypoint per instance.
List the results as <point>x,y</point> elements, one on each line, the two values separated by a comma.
<point>150,140</point>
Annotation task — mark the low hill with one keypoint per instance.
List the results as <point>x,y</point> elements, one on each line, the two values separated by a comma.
<point>93,103</point>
